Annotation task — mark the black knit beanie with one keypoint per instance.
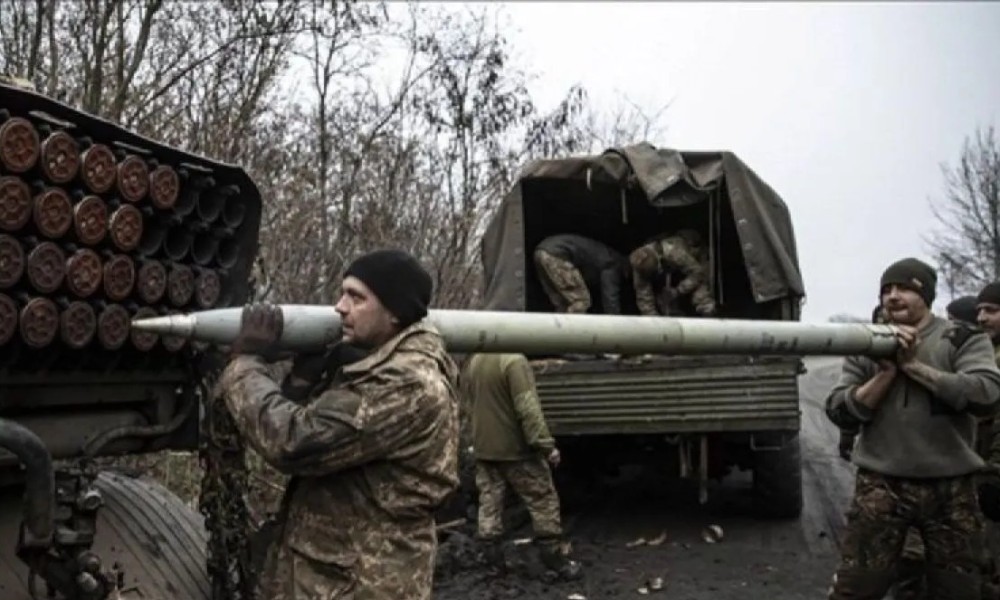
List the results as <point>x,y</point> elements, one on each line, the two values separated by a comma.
<point>401,284</point>
<point>990,293</point>
<point>964,309</point>
<point>912,274</point>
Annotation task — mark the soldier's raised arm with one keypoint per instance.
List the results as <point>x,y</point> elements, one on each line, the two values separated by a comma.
<point>861,386</point>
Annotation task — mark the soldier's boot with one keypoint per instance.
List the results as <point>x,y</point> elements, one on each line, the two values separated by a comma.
<point>555,559</point>
<point>911,581</point>
<point>493,555</point>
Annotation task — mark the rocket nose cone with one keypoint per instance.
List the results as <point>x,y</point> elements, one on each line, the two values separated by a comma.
<point>170,325</point>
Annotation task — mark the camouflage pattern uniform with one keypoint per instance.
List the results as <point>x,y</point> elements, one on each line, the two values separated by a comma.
<point>563,283</point>
<point>880,516</point>
<point>371,455</point>
<point>682,254</point>
<point>531,480</point>
<point>570,265</point>
<point>511,442</point>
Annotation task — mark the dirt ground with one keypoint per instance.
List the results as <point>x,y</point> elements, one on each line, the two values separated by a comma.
<point>786,559</point>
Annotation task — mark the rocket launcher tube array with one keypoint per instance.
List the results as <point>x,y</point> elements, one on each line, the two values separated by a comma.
<point>311,327</point>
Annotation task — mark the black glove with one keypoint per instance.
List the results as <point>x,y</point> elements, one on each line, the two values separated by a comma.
<point>989,499</point>
<point>260,330</point>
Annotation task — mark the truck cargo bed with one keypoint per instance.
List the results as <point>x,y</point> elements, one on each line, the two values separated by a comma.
<point>669,394</point>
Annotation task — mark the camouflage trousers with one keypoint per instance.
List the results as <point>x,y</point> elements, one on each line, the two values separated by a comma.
<point>946,513</point>
<point>563,283</point>
<point>531,480</point>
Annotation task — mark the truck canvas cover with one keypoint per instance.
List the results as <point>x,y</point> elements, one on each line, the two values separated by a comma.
<point>622,196</point>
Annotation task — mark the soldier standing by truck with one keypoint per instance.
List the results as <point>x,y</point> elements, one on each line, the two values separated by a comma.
<point>371,455</point>
<point>513,447</point>
<point>569,265</point>
<point>916,459</point>
<point>680,254</point>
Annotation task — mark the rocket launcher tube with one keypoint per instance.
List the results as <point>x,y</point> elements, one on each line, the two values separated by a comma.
<point>311,327</point>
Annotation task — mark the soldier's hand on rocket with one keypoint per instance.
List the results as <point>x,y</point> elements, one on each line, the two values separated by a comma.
<point>260,330</point>
<point>909,340</point>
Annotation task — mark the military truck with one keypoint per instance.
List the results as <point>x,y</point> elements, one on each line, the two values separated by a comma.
<point>99,225</point>
<point>704,415</point>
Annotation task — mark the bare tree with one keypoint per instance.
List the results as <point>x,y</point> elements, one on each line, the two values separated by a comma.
<point>966,244</point>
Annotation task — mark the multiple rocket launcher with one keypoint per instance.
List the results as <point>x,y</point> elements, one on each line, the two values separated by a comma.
<point>94,233</point>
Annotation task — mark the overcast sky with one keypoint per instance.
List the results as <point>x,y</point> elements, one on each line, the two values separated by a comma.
<point>847,110</point>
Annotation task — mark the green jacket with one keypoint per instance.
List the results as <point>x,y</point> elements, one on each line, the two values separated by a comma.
<point>507,420</point>
<point>914,433</point>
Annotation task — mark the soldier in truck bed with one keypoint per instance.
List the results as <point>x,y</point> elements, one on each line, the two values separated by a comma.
<point>570,265</point>
<point>681,254</point>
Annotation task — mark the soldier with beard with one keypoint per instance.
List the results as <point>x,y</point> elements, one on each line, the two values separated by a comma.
<point>916,459</point>
<point>371,448</point>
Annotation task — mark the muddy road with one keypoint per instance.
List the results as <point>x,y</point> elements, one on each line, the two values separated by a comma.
<point>632,530</point>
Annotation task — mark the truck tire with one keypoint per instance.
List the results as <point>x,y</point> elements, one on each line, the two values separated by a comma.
<point>777,481</point>
<point>159,542</point>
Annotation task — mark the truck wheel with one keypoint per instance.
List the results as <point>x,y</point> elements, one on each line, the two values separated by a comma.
<point>157,540</point>
<point>777,481</point>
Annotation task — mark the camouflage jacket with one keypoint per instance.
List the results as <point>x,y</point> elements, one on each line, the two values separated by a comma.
<point>674,255</point>
<point>371,456</point>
